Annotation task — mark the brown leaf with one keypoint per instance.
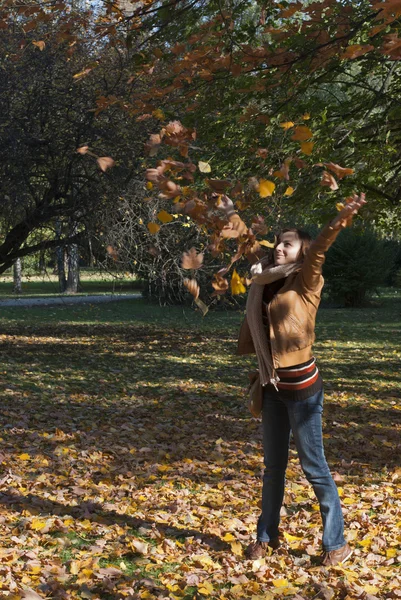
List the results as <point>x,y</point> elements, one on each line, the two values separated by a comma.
<point>41,45</point>
<point>112,252</point>
<point>83,149</point>
<point>192,286</point>
<point>329,181</point>
<point>218,185</point>
<point>338,171</point>
<point>192,260</point>
<point>105,162</point>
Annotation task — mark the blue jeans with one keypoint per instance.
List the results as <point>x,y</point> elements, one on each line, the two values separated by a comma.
<point>304,418</point>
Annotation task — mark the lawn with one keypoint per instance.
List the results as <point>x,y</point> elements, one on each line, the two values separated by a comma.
<point>132,469</point>
<point>91,282</point>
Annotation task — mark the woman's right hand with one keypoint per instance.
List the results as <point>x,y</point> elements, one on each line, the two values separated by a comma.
<point>346,213</point>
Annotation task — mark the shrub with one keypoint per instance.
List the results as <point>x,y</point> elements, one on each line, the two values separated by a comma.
<point>356,265</point>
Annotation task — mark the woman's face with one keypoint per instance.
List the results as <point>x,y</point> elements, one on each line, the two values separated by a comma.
<point>288,248</point>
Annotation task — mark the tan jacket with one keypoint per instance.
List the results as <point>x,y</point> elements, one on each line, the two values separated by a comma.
<point>292,312</point>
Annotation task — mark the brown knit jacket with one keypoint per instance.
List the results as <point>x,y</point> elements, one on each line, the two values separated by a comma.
<point>292,311</point>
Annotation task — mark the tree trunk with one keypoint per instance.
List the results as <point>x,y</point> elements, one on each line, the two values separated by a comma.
<point>17,274</point>
<point>62,280</point>
<point>73,270</point>
<point>42,262</point>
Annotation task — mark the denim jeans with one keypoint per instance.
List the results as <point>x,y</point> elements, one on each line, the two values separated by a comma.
<point>304,418</point>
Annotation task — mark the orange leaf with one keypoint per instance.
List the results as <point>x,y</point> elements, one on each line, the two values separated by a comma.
<point>153,227</point>
<point>356,50</point>
<point>307,147</point>
<point>192,260</point>
<point>83,149</point>
<point>105,162</point>
<point>164,216</point>
<point>289,191</point>
<point>287,125</point>
<point>338,171</point>
<point>302,133</point>
<point>41,45</point>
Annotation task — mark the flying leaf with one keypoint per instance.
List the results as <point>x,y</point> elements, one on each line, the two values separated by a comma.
<point>164,216</point>
<point>302,133</point>
<point>237,287</point>
<point>307,147</point>
<point>112,252</point>
<point>267,244</point>
<point>204,167</point>
<point>192,260</point>
<point>289,191</point>
<point>287,125</point>
<point>192,287</point>
<point>338,171</point>
<point>306,117</point>
<point>356,50</point>
<point>139,547</point>
<point>158,114</point>
<point>83,149</point>
<point>266,188</point>
<point>153,227</point>
<point>41,45</point>
<point>329,181</point>
<point>105,162</point>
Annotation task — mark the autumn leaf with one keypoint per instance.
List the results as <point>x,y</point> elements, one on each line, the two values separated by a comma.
<point>112,252</point>
<point>267,244</point>
<point>192,287</point>
<point>328,181</point>
<point>164,216</point>
<point>204,167</point>
<point>302,133</point>
<point>307,147</point>
<point>356,50</point>
<point>105,162</point>
<point>192,260</point>
<point>266,188</point>
<point>41,45</point>
<point>83,149</point>
<point>237,287</point>
<point>158,114</point>
<point>24,456</point>
<point>289,191</point>
<point>287,125</point>
<point>339,172</point>
<point>153,227</point>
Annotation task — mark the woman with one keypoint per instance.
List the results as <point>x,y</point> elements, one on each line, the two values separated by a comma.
<point>279,326</point>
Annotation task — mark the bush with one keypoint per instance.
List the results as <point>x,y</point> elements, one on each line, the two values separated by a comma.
<point>356,265</point>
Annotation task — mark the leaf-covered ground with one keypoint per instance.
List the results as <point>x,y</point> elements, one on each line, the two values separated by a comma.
<point>130,467</point>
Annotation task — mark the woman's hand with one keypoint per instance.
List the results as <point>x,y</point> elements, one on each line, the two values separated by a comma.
<point>344,217</point>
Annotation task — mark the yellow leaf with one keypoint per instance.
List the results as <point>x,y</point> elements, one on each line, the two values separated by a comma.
<point>280,583</point>
<point>24,456</point>
<point>292,538</point>
<point>306,117</point>
<point>74,567</point>
<point>229,537</point>
<point>158,114</point>
<point>266,188</point>
<point>236,548</point>
<point>237,287</point>
<point>267,244</point>
<point>204,167</point>
<point>339,206</point>
<point>163,468</point>
<point>206,589</point>
<point>164,216</point>
<point>391,552</point>
<point>289,191</point>
<point>307,147</point>
<point>37,524</point>
<point>153,227</point>
<point>287,125</point>
<point>366,543</point>
<point>149,185</point>
<point>302,133</point>
<point>371,589</point>
<point>340,491</point>
<point>348,501</point>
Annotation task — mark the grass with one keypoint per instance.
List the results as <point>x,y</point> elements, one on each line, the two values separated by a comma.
<point>126,443</point>
<point>91,282</point>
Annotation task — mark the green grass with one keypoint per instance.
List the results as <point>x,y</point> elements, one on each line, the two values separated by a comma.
<point>91,282</point>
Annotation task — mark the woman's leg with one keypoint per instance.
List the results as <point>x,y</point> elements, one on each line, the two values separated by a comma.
<point>276,435</point>
<point>306,424</point>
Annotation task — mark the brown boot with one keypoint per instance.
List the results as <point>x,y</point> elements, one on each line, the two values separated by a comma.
<point>259,549</point>
<point>336,557</point>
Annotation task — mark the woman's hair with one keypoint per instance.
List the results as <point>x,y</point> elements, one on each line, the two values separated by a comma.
<point>303,236</point>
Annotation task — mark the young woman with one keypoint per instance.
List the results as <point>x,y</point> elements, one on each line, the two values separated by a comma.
<point>280,327</point>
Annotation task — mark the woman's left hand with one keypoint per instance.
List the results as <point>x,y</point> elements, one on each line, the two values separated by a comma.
<point>345,215</point>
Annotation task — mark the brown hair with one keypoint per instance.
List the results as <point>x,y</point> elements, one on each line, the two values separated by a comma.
<point>303,236</point>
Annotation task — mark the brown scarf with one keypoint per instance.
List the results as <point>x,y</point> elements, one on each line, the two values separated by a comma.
<point>263,274</point>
